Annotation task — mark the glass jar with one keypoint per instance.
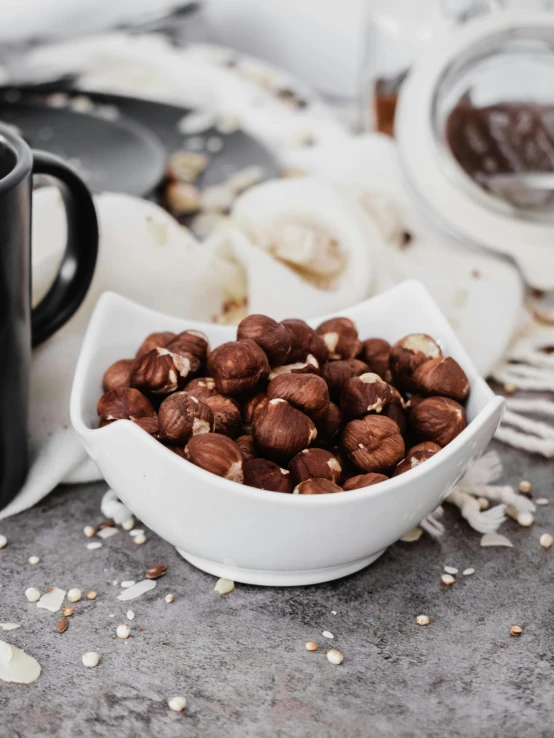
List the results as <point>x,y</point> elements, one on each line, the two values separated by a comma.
<point>477,107</point>
<point>399,31</point>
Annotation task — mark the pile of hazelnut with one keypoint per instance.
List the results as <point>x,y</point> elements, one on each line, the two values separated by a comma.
<point>288,408</point>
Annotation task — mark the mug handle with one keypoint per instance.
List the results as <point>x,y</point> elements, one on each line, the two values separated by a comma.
<point>77,268</point>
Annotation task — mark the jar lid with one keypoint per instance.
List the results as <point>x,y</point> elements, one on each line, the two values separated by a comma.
<point>506,59</point>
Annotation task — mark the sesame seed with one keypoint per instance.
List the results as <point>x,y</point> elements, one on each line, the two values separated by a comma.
<point>335,657</point>
<point>130,615</point>
<point>311,646</point>
<point>450,570</point>
<point>422,620</point>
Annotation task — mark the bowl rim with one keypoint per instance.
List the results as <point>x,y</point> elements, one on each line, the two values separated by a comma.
<point>110,301</point>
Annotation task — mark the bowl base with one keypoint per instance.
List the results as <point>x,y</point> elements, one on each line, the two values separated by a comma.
<point>279,578</point>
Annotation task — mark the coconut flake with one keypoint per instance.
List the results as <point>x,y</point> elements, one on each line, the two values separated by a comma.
<point>136,532</point>
<point>495,539</point>
<point>52,600</point>
<point>9,626</point>
<point>412,535</point>
<point>94,545</point>
<point>128,583</point>
<point>327,634</point>
<point>107,532</point>
<point>137,590</point>
<point>468,572</point>
<point>16,665</point>
<point>450,570</point>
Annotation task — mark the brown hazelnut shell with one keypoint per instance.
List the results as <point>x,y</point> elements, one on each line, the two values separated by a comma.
<point>315,462</point>
<point>443,377</point>
<point>266,474</point>
<point>329,426</point>
<point>161,371</point>
<point>376,354</point>
<point>316,487</point>
<point>201,388</point>
<point>280,430</point>
<point>407,354</point>
<point>306,392</point>
<point>237,367</point>
<point>374,443</point>
<point>413,459</point>
<point>365,394</point>
<point>438,419</point>
<point>304,341</point>
<point>363,480</point>
<point>118,375</point>
<point>337,373</point>
<point>154,340</point>
<point>341,338</point>
<point>310,366</point>
<point>227,415</point>
<point>217,454</point>
<point>271,337</point>
<point>125,403</point>
<point>181,416</point>
<point>252,406</point>
<point>246,445</point>
<point>190,342</point>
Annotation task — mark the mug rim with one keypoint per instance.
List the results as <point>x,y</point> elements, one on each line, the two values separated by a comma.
<point>23,159</point>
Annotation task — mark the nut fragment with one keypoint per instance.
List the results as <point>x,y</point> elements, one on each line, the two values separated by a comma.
<point>407,354</point>
<point>438,419</point>
<point>32,594</point>
<point>227,415</point>
<point>246,445</point>
<point>224,586</point>
<point>304,341</point>
<point>337,373</point>
<point>447,579</point>
<point>126,404</point>
<point>201,388</point>
<point>365,394</point>
<point>316,487</point>
<point>160,371</point>
<point>363,480</point>
<point>34,560</point>
<point>181,416</point>
<point>374,443</point>
<point>217,454</point>
<point>280,431</point>
<point>266,474</point>
<point>91,659</point>
<point>3,541</point>
<point>422,620</point>
<point>62,625</point>
<point>117,375</point>
<point>67,611</point>
<point>442,376</point>
<point>315,462</point>
<point>237,367</point>
<point>311,646</point>
<point>89,531</point>
<point>525,487</point>
<point>157,571</point>
<point>123,631</point>
<point>516,630</point>
<point>376,354</point>
<point>91,595</point>
<point>272,337</point>
<point>335,657</point>
<point>177,704</point>
<point>546,540</point>
<point>74,594</point>
<point>169,598</point>
<point>306,392</point>
<point>341,338</point>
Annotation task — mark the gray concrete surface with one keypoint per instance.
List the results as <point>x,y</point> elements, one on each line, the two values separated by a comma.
<point>240,659</point>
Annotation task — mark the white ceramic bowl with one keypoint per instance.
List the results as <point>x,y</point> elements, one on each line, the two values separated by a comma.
<point>246,534</point>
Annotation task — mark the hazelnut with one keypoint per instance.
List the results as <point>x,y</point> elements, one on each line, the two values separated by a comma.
<point>182,198</point>
<point>124,403</point>
<point>227,415</point>
<point>280,430</point>
<point>409,353</point>
<point>376,354</point>
<point>425,446</point>
<point>363,480</point>
<point>161,371</point>
<point>150,425</point>
<point>396,413</point>
<point>201,388</point>
<point>307,392</point>
<point>154,340</point>
<point>304,341</point>
<point>251,407</point>
<point>374,443</point>
<point>315,462</point>
<point>237,367</point>
<point>316,487</point>
<point>329,426</point>
<point>117,375</point>
<point>176,450</point>
<point>438,419</point>
<point>337,373</point>
<point>246,445</point>
<point>365,394</point>
<point>217,454</point>
<point>413,459</point>
<point>310,366</point>
<point>271,337</point>
<point>190,342</point>
<point>265,474</point>
<point>341,338</point>
<point>181,416</point>
<point>444,377</point>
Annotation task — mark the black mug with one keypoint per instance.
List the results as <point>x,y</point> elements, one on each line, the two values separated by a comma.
<point>20,325</point>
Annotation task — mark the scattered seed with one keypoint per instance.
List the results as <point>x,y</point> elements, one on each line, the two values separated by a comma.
<point>130,615</point>
<point>33,560</point>
<point>140,539</point>
<point>447,579</point>
<point>91,595</point>
<point>169,598</point>
<point>546,540</point>
<point>32,594</point>
<point>311,646</point>
<point>335,657</point>
<point>467,572</point>
<point>412,535</point>
<point>542,501</point>
<point>123,631</point>
<point>525,487</point>
<point>3,541</point>
<point>94,545</point>
<point>525,519</point>
<point>157,571</point>
<point>333,612</point>
<point>62,625</point>
<point>422,620</point>
<point>136,532</point>
<point>327,634</point>
<point>107,533</point>
<point>67,611</point>
<point>224,586</point>
<point>128,524</point>
<point>177,704</point>
<point>516,630</point>
<point>451,570</point>
<point>74,594</point>
<point>128,583</point>
<point>91,658</point>
<point>510,388</point>
<point>89,531</point>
